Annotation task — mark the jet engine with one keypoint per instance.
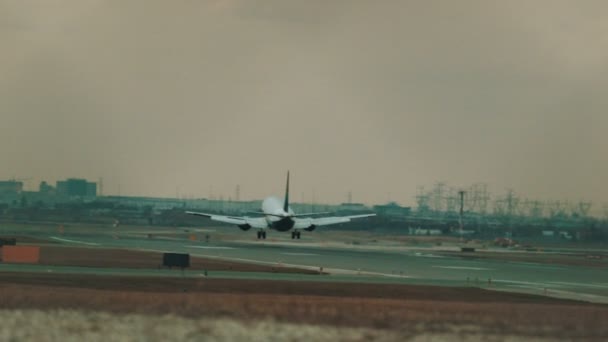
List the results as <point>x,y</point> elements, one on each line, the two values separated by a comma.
<point>244,227</point>
<point>311,228</point>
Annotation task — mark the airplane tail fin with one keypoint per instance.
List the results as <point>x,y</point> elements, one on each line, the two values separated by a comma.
<point>286,204</point>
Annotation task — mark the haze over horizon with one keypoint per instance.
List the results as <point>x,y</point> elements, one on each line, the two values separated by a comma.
<point>375,98</point>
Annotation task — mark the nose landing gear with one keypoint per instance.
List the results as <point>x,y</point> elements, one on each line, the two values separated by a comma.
<point>295,235</point>
<point>261,234</point>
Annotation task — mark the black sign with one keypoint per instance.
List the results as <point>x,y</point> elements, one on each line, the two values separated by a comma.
<point>8,241</point>
<point>176,259</point>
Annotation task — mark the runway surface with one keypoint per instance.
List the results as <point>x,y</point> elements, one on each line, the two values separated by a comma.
<point>344,262</point>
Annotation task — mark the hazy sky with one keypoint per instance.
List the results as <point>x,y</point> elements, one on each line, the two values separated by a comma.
<point>373,97</point>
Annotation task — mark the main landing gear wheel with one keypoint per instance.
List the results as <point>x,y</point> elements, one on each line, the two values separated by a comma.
<point>295,235</point>
<point>261,235</point>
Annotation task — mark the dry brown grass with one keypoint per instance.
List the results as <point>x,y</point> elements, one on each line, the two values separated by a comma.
<point>405,309</point>
<point>70,325</point>
<point>273,287</point>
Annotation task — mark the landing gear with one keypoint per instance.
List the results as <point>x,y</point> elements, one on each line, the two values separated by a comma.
<point>261,234</point>
<point>295,235</point>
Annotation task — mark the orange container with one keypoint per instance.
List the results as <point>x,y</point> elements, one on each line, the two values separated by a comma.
<point>21,254</point>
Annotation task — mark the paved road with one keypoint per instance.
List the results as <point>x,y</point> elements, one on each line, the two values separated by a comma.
<point>369,263</point>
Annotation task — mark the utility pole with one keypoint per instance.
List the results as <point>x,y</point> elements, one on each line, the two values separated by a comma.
<point>461,193</point>
<point>100,192</point>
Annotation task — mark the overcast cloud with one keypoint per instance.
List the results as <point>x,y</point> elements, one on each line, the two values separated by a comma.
<point>373,97</point>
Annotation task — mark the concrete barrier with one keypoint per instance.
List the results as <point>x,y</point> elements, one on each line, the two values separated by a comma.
<point>21,254</point>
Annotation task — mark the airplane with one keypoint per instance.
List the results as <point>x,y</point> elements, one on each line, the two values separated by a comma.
<point>280,217</point>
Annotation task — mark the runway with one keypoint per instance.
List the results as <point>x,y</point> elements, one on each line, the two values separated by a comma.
<point>377,263</point>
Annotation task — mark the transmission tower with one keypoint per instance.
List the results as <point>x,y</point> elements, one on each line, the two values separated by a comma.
<point>512,202</point>
<point>483,197</point>
<point>422,200</point>
<point>536,209</point>
<point>583,208</point>
<point>451,200</point>
<point>557,208</point>
<point>438,196</point>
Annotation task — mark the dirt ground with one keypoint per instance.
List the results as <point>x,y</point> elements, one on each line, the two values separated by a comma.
<point>123,258</point>
<point>406,311</point>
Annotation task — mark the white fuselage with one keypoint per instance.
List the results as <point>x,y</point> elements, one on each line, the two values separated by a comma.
<point>276,217</point>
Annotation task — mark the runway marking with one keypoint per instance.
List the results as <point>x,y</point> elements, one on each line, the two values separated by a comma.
<point>210,247</point>
<point>536,265</point>
<point>311,267</point>
<point>301,254</point>
<point>74,241</point>
<point>558,293</point>
<point>428,255</point>
<point>529,287</point>
<point>578,284</point>
<point>464,268</point>
<point>518,282</point>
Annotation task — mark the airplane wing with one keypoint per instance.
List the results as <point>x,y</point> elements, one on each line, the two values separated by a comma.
<point>242,221</point>
<point>325,221</point>
<point>293,215</point>
<point>221,218</point>
<point>312,214</point>
<point>303,223</point>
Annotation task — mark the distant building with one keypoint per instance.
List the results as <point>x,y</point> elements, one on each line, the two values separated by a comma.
<point>392,209</point>
<point>352,208</point>
<point>46,188</point>
<point>11,187</point>
<point>76,187</point>
<point>548,233</point>
<point>91,189</point>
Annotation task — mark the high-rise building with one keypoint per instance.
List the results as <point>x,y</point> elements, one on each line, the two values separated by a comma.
<point>76,187</point>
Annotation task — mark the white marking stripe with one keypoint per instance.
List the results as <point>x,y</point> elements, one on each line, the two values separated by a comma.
<point>530,287</point>
<point>526,283</point>
<point>301,254</point>
<point>74,241</point>
<point>578,284</point>
<point>464,268</point>
<point>428,255</point>
<point>210,247</point>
